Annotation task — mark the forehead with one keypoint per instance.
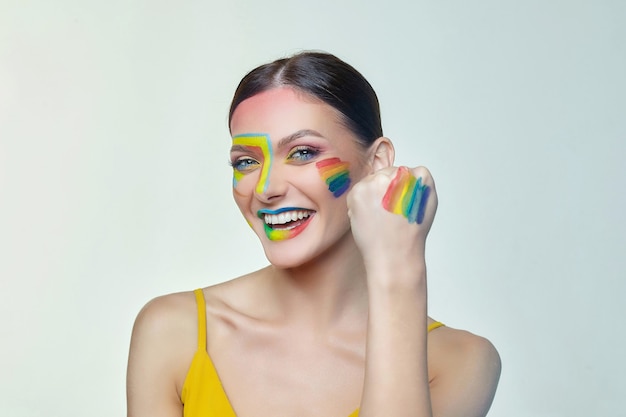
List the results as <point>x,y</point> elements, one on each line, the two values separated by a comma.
<point>281,111</point>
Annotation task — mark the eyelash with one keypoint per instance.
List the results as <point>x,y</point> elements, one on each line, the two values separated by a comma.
<point>237,163</point>
<point>307,153</point>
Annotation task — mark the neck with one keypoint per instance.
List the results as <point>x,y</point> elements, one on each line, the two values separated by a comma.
<point>325,291</point>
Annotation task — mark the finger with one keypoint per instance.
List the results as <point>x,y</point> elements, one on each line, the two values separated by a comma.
<point>409,193</point>
<point>425,174</point>
<point>395,199</point>
<point>428,204</point>
<point>418,202</point>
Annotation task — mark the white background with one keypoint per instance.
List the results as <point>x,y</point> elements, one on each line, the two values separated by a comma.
<point>115,186</point>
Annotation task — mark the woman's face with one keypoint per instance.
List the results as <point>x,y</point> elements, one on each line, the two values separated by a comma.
<point>293,164</point>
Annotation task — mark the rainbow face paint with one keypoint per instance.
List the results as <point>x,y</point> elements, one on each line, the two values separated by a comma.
<point>336,175</point>
<point>284,223</point>
<point>407,196</point>
<point>264,144</point>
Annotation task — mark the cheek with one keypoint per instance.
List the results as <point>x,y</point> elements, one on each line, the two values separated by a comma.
<point>237,176</point>
<point>335,173</point>
<point>242,202</point>
<point>259,180</point>
<point>239,187</point>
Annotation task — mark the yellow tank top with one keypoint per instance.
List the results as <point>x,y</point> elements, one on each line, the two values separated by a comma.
<point>203,394</point>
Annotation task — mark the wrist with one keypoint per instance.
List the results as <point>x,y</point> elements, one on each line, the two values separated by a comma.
<point>390,278</point>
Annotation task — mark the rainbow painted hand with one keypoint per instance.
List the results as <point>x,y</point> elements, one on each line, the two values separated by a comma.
<point>407,196</point>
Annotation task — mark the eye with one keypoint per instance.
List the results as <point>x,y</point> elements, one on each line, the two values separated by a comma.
<point>303,153</point>
<point>244,164</point>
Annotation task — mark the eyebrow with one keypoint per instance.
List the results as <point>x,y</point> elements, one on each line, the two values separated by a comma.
<point>284,141</point>
<point>238,148</point>
<point>297,135</point>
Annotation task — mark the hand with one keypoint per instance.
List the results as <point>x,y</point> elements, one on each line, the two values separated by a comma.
<point>391,212</point>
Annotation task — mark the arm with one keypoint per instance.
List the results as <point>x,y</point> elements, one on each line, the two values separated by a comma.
<point>396,372</point>
<point>160,350</point>
<point>397,376</point>
<point>464,368</point>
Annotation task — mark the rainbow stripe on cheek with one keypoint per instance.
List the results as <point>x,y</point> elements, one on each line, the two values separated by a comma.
<point>264,144</point>
<point>336,175</point>
<point>407,196</point>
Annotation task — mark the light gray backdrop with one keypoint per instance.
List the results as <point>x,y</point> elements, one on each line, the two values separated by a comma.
<point>115,186</point>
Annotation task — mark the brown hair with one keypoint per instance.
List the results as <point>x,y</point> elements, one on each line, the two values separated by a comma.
<point>325,77</point>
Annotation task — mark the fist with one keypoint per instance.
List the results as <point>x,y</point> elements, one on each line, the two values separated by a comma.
<point>391,211</point>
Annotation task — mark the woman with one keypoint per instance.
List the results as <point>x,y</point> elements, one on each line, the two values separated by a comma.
<point>337,324</point>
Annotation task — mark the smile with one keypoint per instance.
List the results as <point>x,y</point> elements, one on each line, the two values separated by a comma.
<point>285,223</point>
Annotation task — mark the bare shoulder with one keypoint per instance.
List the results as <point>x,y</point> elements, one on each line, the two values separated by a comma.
<point>447,345</point>
<point>464,372</point>
<point>166,316</point>
<point>162,345</point>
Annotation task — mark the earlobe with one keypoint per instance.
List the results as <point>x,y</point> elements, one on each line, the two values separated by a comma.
<point>382,154</point>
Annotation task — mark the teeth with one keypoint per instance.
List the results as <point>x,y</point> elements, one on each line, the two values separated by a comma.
<point>286,217</point>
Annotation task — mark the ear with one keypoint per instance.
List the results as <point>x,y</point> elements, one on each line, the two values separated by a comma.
<point>381,154</point>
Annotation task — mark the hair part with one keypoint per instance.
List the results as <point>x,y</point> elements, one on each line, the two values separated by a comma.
<point>325,77</point>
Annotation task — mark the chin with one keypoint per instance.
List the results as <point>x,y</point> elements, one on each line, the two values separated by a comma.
<point>287,258</point>
<point>301,252</point>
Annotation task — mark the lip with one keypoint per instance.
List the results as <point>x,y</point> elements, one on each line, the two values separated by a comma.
<point>287,233</point>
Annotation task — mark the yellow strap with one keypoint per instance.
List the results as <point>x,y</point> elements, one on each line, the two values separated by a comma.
<point>434,325</point>
<point>201,319</point>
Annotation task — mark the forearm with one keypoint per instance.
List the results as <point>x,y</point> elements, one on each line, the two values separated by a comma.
<point>396,373</point>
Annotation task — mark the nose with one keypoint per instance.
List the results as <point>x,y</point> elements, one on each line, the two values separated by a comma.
<point>272,183</point>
